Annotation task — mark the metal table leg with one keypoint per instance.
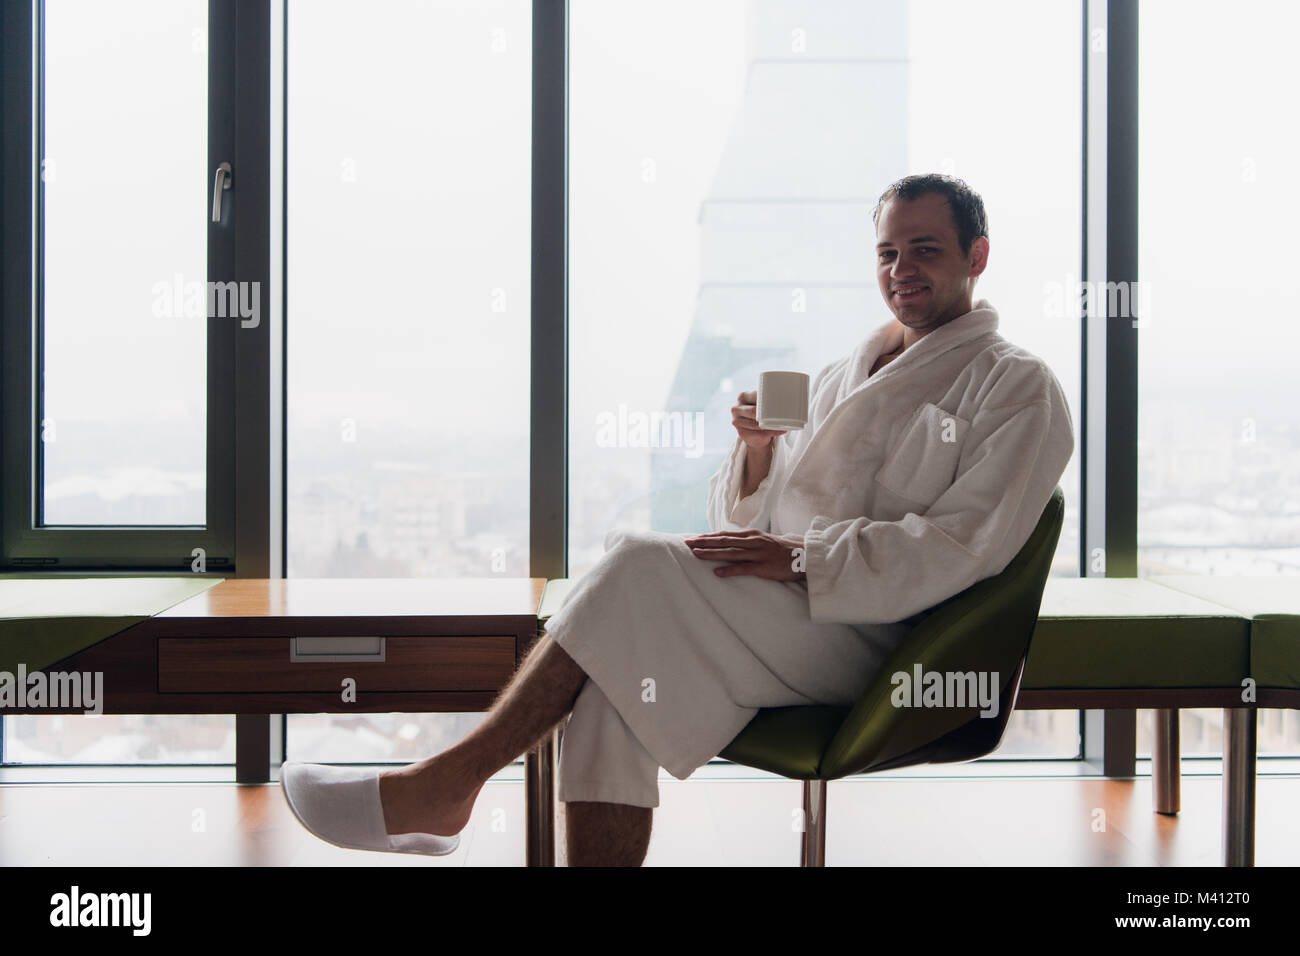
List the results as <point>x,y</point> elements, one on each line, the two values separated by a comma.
<point>539,802</point>
<point>1166,772</point>
<point>1239,729</point>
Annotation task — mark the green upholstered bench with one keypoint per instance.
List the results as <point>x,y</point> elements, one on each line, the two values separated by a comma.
<point>44,619</point>
<point>1097,636</point>
<point>1126,644</point>
<point>1173,641</point>
<point>1272,606</point>
<point>1135,643</point>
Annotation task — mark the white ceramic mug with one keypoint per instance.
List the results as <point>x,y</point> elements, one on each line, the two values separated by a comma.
<point>782,400</point>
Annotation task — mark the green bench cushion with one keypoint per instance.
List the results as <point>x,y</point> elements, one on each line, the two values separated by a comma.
<point>46,619</point>
<point>1111,633</point>
<point>1271,603</point>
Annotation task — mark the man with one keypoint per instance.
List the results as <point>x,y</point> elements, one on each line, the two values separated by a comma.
<point>929,455</point>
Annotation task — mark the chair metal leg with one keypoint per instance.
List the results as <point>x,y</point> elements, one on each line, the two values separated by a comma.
<point>1239,729</point>
<point>1166,775</point>
<point>813,848</point>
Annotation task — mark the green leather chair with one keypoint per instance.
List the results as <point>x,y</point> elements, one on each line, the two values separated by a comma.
<point>986,628</point>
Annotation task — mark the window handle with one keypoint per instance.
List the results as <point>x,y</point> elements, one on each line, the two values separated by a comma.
<point>219,185</point>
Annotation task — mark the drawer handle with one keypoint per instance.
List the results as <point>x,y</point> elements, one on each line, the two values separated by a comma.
<point>363,649</point>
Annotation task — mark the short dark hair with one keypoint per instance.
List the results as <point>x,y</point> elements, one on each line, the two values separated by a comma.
<point>966,205</point>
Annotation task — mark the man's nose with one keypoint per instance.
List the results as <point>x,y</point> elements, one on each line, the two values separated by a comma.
<point>903,268</point>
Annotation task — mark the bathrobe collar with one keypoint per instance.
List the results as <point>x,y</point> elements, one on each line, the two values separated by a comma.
<point>982,319</point>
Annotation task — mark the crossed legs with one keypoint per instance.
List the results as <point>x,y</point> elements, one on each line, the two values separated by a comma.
<point>437,794</point>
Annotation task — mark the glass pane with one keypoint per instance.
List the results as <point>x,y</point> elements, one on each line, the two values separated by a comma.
<point>1218,425</point>
<point>408,183</point>
<point>722,182</point>
<point>1041,733</point>
<point>1200,732</point>
<point>1026,162</point>
<point>128,739</point>
<point>125,180</point>
<point>375,738</point>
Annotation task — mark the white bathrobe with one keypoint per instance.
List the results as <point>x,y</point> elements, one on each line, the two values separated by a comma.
<point>908,486</point>
<point>914,483</point>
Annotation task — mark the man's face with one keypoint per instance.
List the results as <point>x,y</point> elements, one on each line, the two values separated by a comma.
<point>925,279</point>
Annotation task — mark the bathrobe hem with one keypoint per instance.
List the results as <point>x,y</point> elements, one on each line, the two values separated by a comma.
<point>679,757</point>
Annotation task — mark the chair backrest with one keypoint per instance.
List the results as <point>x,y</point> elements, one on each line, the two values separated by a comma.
<point>984,631</point>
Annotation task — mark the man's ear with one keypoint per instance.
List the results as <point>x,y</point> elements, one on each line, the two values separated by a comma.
<point>979,248</point>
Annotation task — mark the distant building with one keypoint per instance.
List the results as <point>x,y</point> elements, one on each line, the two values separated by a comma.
<point>788,277</point>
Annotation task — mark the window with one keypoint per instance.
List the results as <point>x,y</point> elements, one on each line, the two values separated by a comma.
<point>124,402</point>
<point>130,459</point>
<point>408,245</point>
<point>1219,427</point>
<point>121,453</point>
<point>722,177</point>
<point>140,739</point>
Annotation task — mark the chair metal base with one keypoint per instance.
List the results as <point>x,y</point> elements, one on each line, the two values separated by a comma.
<point>1240,731</point>
<point>812,850</point>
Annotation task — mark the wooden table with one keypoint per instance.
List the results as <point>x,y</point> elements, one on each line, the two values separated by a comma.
<point>255,646</point>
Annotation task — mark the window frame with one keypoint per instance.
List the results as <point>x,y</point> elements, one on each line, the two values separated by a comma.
<point>237,250</point>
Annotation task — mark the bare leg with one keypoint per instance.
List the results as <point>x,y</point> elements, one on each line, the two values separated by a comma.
<point>437,794</point>
<point>607,834</point>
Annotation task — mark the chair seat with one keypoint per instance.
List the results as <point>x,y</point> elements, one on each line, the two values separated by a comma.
<point>789,741</point>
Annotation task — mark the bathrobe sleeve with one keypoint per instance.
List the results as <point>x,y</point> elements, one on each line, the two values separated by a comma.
<point>866,571</point>
<point>727,510</point>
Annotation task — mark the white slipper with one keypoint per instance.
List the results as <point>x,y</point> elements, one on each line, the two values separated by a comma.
<point>341,805</point>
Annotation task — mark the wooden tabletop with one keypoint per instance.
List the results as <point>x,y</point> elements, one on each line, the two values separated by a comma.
<point>362,597</point>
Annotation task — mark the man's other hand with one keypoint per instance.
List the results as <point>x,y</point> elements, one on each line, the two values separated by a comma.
<point>754,552</point>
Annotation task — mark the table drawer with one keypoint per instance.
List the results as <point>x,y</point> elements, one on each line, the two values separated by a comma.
<point>251,664</point>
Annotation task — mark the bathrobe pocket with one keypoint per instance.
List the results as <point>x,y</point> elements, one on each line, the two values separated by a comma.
<point>923,463</point>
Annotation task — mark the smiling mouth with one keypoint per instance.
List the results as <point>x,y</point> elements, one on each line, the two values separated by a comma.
<point>905,293</point>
